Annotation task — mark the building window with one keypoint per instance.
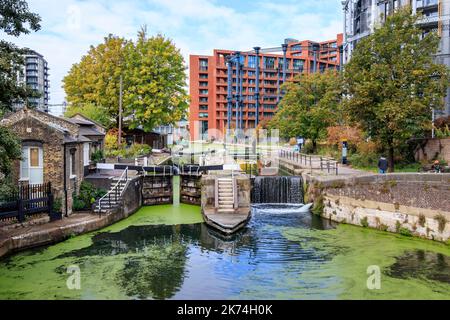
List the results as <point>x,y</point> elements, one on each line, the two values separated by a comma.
<point>32,165</point>
<point>269,63</point>
<point>203,64</point>
<point>203,108</point>
<point>203,115</point>
<point>86,154</point>
<point>203,99</point>
<point>203,91</point>
<point>252,62</point>
<point>298,64</point>
<point>204,76</point>
<point>297,48</point>
<point>203,84</point>
<point>72,163</point>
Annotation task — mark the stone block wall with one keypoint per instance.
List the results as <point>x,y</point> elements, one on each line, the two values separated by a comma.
<point>410,204</point>
<point>434,148</point>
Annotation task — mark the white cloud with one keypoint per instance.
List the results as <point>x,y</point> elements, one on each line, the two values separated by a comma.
<point>69,27</point>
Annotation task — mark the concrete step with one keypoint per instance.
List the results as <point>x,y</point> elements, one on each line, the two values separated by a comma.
<point>226,198</point>
<point>225,210</point>
<point>226,206</point>
<point>221,203</point>
<point>226,195</point>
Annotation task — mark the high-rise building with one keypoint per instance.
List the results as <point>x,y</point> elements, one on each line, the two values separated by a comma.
<point>209,83</point>
<point>35,76</point>
<point>362,16</point>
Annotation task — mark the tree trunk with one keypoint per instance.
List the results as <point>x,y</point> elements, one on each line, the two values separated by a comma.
<point>314,143</point>
<point>391,158</point>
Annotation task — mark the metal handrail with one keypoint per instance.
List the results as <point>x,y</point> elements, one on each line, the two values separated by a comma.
<point>124,176</point>
<point>326,163</point>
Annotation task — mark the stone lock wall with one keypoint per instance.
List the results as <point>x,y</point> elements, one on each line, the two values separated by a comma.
<point>208,192</point>
<point>409,204</point>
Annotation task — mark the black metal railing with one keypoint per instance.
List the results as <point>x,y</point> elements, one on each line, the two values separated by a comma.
<point>312,162</point>
<point>28,200</point>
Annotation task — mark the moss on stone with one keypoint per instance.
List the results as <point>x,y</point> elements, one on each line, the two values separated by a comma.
<point>442,222</point>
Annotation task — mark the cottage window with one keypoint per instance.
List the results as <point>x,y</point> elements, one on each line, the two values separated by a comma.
<point>32,165</point>
<point>86,157</point>
<point>72,164</point>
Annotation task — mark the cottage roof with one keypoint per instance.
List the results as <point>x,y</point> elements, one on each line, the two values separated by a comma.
<point>90,131</point>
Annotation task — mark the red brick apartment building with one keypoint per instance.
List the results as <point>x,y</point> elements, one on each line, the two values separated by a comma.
<point>209,82</point>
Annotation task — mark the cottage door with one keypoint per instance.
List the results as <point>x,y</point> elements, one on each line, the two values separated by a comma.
<point>35,164</point>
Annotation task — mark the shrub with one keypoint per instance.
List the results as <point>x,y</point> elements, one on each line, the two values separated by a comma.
<point>405,232</point>
<point>87,196</point>
<point>365,222</point>
<point>97,156</point>
<point>366,155</point>
<point>422,220</point>
<point>442,221</point>
<point>398,226</point>
<point>319,205</point>
<point>78,204</point>
<point>7,189</point>
<point>137,150</point>
<point>57,205</point>
<point>308,147</point>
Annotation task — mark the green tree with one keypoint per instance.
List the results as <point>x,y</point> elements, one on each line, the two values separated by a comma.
<point>15,19</point>
<point>154,81</point>
<point>155,91</point>
<point>92,112</point>
<point>95,80</point>
<point>309,106</point>
<point>391,82</point>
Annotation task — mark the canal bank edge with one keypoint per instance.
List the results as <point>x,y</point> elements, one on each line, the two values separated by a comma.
<point>411,204</point>
<point>73,226</point>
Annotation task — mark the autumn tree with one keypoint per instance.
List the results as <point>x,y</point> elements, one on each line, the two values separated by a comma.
<point>392,82</point>
<point>310,105</point>
<point>94,82</point>
<point>155,78</point>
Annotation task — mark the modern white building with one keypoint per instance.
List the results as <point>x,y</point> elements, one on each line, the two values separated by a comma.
<point>362,16</point>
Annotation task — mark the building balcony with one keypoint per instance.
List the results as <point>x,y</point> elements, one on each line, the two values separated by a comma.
<point>427,4</point>
<point>427,21</point>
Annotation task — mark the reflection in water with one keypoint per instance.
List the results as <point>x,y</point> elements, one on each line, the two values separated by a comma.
<point>282,254</point>
<point>156,255</point>
<point>422,264</point>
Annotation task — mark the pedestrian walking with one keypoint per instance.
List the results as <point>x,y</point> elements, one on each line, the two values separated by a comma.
<point>382,165</point>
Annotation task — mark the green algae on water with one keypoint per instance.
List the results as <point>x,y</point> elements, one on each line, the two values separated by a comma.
<point>355,249</point>
<point>42,273</point>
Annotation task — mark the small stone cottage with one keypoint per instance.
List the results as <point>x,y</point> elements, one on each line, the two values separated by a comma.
<point>55,150</point>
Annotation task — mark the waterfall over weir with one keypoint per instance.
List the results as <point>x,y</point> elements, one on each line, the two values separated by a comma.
<point>278,190</point>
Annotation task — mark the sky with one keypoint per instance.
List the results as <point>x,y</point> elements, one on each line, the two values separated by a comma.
<point>70,27</point>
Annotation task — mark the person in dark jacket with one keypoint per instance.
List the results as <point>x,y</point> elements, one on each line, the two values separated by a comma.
<point>382,165</point>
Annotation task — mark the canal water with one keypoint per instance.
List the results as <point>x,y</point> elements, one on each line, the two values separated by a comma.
<point>166,252</point>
